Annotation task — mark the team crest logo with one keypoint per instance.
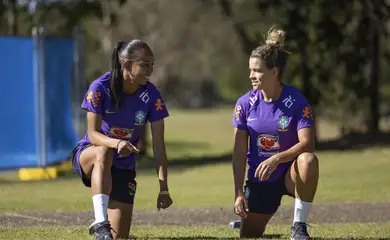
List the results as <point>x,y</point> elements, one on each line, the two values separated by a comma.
<point>140,117</point>
<point>120,132</point>
<point>283,124</point>
<point>132,188</point>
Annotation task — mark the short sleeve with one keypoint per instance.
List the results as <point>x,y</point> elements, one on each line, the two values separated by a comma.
<point>94,99</point>
<point>304,116</point>
<point>239,115</point>
<point>159,110</point>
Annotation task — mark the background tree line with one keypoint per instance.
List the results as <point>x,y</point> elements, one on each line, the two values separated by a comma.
<point>339,49</point>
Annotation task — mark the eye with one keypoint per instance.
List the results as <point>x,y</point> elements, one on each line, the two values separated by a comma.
<point>146,64</point>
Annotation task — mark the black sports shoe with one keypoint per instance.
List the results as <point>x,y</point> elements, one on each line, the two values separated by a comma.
<point>299,231</point>
<point>101,230</point>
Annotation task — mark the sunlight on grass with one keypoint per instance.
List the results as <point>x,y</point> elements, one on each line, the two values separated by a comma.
<point>353,176</point>
<point>198,133</point>
<point>345,177</point>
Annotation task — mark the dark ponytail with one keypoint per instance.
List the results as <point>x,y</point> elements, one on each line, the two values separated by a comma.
<point>125,51</point>
<point>116,77</point>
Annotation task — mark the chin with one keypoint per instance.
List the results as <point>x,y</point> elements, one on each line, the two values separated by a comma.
<point>143,82</point>
<point>256,87</point>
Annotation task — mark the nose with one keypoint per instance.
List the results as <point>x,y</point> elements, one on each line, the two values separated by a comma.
<point>252,75</point>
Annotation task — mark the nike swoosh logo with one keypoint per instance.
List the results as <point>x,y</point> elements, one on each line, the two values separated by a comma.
<point>251,119</point>
<point>108,112</point>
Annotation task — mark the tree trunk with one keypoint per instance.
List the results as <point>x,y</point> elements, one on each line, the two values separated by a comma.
<point>11,18</point>
<point>374,98</point>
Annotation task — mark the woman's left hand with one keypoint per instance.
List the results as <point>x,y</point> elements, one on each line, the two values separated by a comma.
<point>266,168</point>
<point>164,200</point>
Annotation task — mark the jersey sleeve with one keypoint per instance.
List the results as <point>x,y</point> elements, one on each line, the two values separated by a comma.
<point>94,99</point>
<point>304,116</point>
<point>239,115</point>
<point>158,111</point>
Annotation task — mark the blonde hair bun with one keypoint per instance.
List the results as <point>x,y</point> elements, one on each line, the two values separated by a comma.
<point>275,37</point>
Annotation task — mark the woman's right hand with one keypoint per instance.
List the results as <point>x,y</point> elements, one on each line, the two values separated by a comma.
<point>125,148</point>
<point>241,206</point>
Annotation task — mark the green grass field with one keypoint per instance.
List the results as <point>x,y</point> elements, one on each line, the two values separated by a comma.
<point>348,231</point>
<point>351,176</point>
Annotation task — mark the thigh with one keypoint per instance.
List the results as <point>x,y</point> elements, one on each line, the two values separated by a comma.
<point>122,195</point>
<point>264,198</point>
<point>120,215</point>
<point>87,158</point>
<point>124,185</point>
<point>263,201</point>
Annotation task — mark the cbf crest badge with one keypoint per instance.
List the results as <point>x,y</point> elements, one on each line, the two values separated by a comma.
<point>140,117</point>
<point>132,187</point>
<point>283,124</point>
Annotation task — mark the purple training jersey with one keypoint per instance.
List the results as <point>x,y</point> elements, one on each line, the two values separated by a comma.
<point>127,121</point>
<point>272,126</point>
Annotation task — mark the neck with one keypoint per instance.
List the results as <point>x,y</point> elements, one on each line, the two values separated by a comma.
<point>272,94</point>
<point>130,88</point>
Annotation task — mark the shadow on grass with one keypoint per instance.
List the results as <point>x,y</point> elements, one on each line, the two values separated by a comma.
<point>355,141</point>
<point>146,162</point>
<point>143,162</point>
<point>173,145</point>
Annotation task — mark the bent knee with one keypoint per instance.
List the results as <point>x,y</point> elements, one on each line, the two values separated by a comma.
<point>307,160</point>
<point>103,155</point>
<point>254,225</point>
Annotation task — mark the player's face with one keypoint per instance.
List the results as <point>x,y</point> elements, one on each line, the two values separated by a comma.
<point>261,76</point>
<point>141,68</point>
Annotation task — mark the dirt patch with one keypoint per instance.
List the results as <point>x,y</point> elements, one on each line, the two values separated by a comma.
<point>335,213</point>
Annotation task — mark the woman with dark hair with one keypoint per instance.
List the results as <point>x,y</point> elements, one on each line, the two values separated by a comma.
<point>119,103</point>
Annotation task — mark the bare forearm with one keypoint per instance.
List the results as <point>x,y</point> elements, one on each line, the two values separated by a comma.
<point>161,166</point>
<point>99,139</point>
<point>239,165</point>
<point>294,152</point>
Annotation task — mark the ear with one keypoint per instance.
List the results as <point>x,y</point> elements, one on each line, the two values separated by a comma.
<point>275,71</point>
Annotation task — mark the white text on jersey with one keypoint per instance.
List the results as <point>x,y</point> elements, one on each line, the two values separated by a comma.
<point>145,97</point>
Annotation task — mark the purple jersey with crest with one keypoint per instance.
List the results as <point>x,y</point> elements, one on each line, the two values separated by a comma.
<point>127,121</point>
<point>272,126</point>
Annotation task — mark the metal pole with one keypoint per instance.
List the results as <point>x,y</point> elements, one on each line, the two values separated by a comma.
<point>37,94</point>
<point>76,79</point>
<point>43,97</point>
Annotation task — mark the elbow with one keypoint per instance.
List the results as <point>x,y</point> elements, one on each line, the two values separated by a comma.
<point>308,146</point>
<point>92,137</point>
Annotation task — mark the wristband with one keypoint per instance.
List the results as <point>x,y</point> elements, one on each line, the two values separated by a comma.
<point>163,193</point>
<point>118,143</point>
